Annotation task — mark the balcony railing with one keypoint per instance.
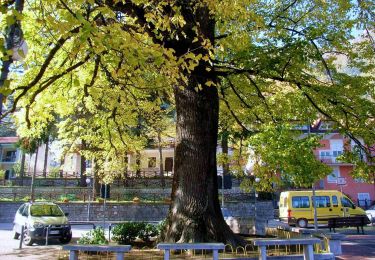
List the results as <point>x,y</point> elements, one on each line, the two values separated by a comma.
<point>9,159</point>
<point>330,160</point>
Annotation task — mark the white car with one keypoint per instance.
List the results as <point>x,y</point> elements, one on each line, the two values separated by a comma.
<point>371,213</point>
<point>38,218</point>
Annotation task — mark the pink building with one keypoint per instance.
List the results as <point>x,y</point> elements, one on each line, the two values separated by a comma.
<point>333,145</point>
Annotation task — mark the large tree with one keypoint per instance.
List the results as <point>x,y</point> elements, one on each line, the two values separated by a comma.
<point>269,62</point>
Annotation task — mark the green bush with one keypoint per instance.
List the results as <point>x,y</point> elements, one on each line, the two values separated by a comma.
<point>93,237</point>
<point>2,174</point>
<point>126,233</point>
<point>147,232</point>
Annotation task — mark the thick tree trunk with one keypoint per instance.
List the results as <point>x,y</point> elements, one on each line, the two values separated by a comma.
<point>195,214</point>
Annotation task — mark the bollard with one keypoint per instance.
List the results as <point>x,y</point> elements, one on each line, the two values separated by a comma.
<point>109,232</point>
<point>21,236</point>
<point>47,231</point>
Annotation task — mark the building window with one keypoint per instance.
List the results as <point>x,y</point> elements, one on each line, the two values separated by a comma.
<point>364,199</point>
<point>151,162</point>
<point>10,156</point>
<point>332,178</point>
<point>325,154</point>
<point>301,202</point>
<point>88,163</point>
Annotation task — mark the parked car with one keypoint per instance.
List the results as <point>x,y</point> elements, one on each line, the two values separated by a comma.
<point>38,218</point>
<point>371,213</point>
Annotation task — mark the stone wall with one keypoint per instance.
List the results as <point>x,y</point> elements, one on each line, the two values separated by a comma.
<point>116,193</point>
<point>140,212</point>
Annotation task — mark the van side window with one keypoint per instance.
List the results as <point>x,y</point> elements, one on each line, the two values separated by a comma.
<point>322,201</point>
<point>300,202</point>
<point>335,202</point>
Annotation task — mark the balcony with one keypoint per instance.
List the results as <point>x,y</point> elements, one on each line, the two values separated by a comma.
<point>9,159</point>
<point>331,160</point>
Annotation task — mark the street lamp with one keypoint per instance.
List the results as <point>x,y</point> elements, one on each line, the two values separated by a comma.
<point>88,181</point>
<point>256,180</point>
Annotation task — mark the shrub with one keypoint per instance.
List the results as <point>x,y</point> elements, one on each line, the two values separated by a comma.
<point>147,232</point>
<point>126,233</point>
<point>2,174</point>
<point>93,237</point>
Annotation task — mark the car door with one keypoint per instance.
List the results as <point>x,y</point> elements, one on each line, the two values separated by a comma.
<point>19,219</point>
<point>324,209</point>
<point>347,206</point>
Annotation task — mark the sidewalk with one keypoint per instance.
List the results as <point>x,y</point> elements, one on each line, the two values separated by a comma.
<point>357,246</point>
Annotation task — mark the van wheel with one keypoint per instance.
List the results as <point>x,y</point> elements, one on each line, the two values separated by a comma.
<point>302,223</point>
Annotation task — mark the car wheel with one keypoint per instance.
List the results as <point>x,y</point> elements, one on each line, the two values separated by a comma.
<point>66,239</point>
<point>27,240</point>
<point>16,235</point>
<point>302,223</point>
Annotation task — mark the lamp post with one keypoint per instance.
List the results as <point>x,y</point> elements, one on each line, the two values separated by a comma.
<point>222,190</point>
<point>88,181</point>
<point>256,180</point>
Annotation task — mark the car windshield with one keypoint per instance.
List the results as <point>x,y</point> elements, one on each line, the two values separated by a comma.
<point>46,210</point>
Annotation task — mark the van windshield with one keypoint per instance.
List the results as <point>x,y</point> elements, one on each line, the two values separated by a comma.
<point>46,210</point>
<point>345,202</point>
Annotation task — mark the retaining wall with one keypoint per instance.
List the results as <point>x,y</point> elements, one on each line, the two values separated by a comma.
<point>138,212</point>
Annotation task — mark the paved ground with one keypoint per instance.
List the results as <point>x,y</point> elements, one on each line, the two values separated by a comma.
<point>354,247</point>
<point>9,247</point>
<point>358,247</point>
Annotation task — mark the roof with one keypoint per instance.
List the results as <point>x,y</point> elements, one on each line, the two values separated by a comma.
<point>9,140</point>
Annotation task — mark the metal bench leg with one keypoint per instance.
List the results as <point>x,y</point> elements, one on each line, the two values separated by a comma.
<point>262,253</point>
<point>120,256</point>
<point>73,255</point>
<point>308,252</point>
<point>215,254</point>
<point>166,254</point>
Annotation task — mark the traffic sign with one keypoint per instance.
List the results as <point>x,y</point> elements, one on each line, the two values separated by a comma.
<point>341,181</point>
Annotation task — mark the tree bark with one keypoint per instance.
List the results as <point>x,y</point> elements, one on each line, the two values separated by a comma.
<point>195,214</point>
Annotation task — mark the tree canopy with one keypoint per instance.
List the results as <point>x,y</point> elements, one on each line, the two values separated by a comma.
<point>95,65</point>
